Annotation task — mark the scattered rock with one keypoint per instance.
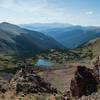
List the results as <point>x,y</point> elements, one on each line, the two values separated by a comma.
<point>67,95</point>
<point>27,81</point>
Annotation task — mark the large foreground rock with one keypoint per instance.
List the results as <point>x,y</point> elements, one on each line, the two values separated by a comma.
<point>84,82</point>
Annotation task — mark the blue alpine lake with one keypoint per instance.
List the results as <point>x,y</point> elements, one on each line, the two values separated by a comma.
<point>44,63</point>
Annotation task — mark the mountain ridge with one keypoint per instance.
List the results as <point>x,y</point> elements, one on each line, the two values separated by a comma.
<point>24,41</point>
<point>71,36</point>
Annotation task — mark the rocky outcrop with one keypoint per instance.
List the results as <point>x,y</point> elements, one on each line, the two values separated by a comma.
<point>83,83</point>
<point>96,67</point>
<point>4,86</point>
<point>27,81</point>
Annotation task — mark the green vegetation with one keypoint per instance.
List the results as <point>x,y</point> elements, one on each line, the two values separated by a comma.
<point>92,48</point>
<point>7,61</point>
<point>58,97</point>
<point>61,56</point>
<point>41,97</point>
<point>21,98</point>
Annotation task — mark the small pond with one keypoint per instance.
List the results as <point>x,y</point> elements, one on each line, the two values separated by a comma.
<point>45,63</point>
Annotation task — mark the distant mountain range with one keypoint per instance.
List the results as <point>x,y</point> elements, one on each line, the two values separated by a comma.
<point>23,42</point>
<point>70,36</point>
<point>20,41</point>
<point>44,26</point>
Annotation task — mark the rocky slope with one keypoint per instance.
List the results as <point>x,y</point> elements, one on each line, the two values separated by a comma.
<point>27,83</point>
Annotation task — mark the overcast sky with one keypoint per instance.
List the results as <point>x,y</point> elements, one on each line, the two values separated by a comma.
<point>81,12</point>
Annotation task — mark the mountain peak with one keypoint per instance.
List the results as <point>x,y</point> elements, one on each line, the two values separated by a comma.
<point>7,24</point>
<point>14,29</point>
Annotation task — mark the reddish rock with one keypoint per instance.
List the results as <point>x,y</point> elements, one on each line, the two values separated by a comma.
<point>84,83</point>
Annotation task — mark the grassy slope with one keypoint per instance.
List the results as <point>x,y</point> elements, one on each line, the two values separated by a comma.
<point>93,45</point>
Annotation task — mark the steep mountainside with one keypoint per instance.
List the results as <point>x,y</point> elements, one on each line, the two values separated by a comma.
<point>73,37</point>
<point>14,39</point>
<point>70,36</point>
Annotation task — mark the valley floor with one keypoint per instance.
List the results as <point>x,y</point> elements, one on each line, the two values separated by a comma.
<point>59,76</point>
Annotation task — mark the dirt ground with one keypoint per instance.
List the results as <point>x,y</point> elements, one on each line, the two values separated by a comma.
<point>60,77</point>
